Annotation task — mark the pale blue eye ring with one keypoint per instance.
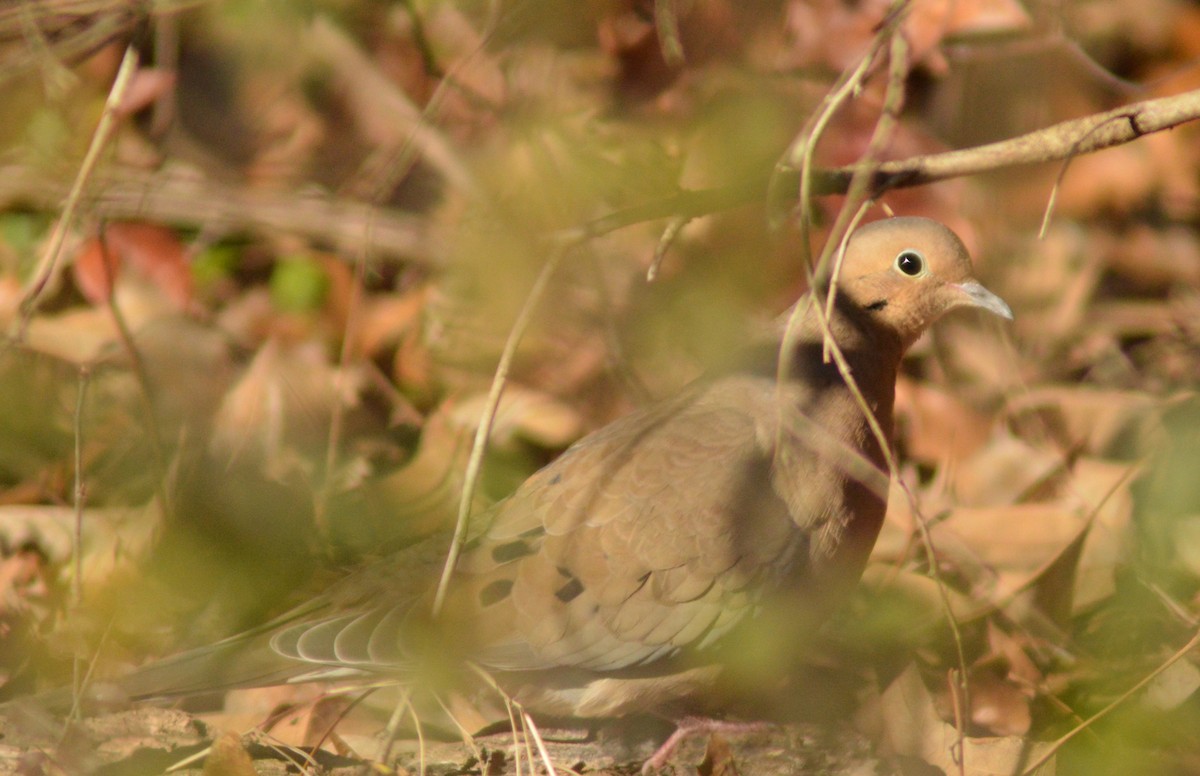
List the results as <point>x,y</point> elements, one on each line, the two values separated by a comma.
<point>910,262</point>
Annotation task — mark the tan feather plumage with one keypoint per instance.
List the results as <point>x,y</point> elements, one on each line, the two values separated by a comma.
<point>607,582</point>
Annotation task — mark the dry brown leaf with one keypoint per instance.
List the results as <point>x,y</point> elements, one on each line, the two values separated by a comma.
<point>1187,545</point>
<point>912,727</point>
<point>228,758</point>
<point>930,21</point>
<point>524,413</point>
<point>323,721</point>
<point>113,539</point>
<point>287,131</point>
<point>718,758</point>
<point>244,709</point>
<point>998,706</point>
<point>150,252</point>
<point>283,400</point>
<point>1102,489</point>
<point>1002,549</point>
<point>1173,686</point>
<point>923,589</point>
<point>1116,180</point>
<point>1084,419</point>
<point>648,63</point>
<point>1002,472</point>
<point>833,35</point>
<point>1014,541</point>
<point>1075,574</point>
<point>76,335</point>
<point>935,425</point>
<point>397,320</point>
<point>422,496</point>
<point>414,371</point>
<point>1156,259</point>
<point>1133,319</point>
<point>22,580</point>
<point>986,16</point>
<point>387,318</point>
<point>340,290</point>
<point>1021,669</point>
<point>826,33</point>
<point>148,85</point>
<point>1052,282</point>
<point>973,352</point>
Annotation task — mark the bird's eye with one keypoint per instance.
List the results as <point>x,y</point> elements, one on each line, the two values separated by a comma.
<point>910,262</point>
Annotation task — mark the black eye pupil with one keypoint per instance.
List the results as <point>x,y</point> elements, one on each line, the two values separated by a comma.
<point>910,263</point>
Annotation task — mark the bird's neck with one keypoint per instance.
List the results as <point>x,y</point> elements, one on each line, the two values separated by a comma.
<point>871,352</point>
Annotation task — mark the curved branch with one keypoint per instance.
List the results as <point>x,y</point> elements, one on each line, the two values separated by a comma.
<point>175,196</point>
<point>1053,143</point>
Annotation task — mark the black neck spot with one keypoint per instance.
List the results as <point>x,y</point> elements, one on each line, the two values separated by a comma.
<point>878,305</point>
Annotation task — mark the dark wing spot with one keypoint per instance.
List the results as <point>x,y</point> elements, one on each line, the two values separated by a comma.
<point>557,478</point>
<point>532,533</point>
<point>564,571</point>
<point>570,591</point>
<point>879,305</point>
<point>510,551</point>
<point>495,592</point>
<point>642,580</point>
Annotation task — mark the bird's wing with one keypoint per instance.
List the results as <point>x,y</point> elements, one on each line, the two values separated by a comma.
<point>649,536</point>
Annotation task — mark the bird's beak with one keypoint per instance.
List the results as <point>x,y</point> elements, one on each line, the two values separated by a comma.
<point>976,295</point>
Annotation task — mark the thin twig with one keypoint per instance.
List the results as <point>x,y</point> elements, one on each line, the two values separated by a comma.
<point>537,740</point>
<point>851,83</point>
<point>80,489</point>
<point>465,734</point>
<point>1062,173</point>
<point>666,25</point>
<point>847,214</point>
<point>670,233</point>
<point>1192,643</point>
<point>338,415</point>
<point>412,711</point>
<point>510,703</point>
<point>79,498</point>
<point>141,375</point>
<point>337,720</point>
<point>373,94</point>
<point>392,730</point>
<point>32,296</point>
<point>474,464</point>
<point>857,193</point>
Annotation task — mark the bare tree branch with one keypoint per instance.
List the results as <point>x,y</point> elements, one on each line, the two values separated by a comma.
<point>173,196</point>
<point>1060,141</point>
<point>1053,143</point>
<point>33,31</point>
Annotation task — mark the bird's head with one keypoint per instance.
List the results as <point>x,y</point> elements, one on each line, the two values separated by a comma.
<point>903,274</point>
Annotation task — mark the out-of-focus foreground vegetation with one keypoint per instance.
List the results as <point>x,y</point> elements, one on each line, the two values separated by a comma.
<point>286,283</point>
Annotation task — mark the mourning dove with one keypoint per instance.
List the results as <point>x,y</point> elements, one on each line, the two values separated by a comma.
<point>612,581</point>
